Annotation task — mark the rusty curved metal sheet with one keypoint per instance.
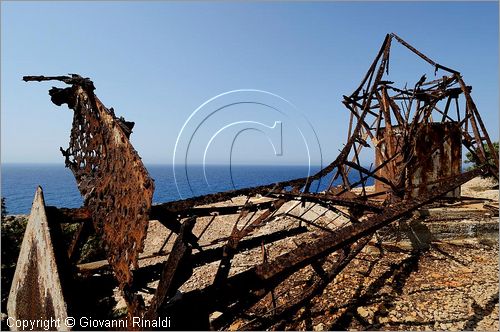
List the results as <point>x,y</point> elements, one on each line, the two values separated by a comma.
<point>110,175</point>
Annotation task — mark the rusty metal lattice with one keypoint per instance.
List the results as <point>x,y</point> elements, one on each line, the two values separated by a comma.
<point>116,186</point>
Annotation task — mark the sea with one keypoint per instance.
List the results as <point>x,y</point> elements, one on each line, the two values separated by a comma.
<point>19,182</point>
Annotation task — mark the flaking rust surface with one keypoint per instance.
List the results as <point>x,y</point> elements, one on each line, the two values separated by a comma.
<point>36,291</point>
<point>110,175</point>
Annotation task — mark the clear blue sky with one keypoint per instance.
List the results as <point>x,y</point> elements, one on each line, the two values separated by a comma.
<point>156,62</point>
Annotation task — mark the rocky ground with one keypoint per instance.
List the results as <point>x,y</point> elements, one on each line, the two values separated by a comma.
<point>451,286</point>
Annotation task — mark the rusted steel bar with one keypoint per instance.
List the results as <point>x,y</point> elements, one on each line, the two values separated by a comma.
<point>477,116</point>
<point>229,249</point>
<point>345,257</point>
<point>331,199</point>
<point>303,255</point>
<point>177,269</point>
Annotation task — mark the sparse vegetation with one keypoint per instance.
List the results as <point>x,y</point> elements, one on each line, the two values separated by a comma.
<point>4,208</point>
<point>474,163</point>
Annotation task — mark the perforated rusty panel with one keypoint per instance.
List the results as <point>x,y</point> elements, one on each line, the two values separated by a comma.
<point>110,174</point>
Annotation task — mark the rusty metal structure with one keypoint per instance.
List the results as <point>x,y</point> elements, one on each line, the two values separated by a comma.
<point>416,135</point>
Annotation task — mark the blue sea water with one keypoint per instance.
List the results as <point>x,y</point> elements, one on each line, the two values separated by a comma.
<point>19,182</point>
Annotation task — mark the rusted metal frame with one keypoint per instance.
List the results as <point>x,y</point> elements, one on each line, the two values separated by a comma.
<point>265,276</point>
<point>74,79</point>
<point>230,247</point>
<point>176,270</point>
<point>334,199</point>
<point>66,215</point>
<point>241,305</point>
<point>437,82</point>
<point>333,220</point>
<point>250,219</point>
<point>429,104</point>
<point>291,306</point>
<point>345,178</point>
<point>158,212</point>
<point>385,107</point>
<point>320,215</point>
<point>332,179</point>
<point>477,117</point>
<point>189,203</point>
<point>242,214</point>
<point>299,257</point>
<point>171,222</point>
<point>365,135</point>
<point>311,223</point>
<point>377,128</point>
<point>371,70</point>
<point>215,254</point>
<point>363,192</point>
<point>264,260</point>
<point>457,108</point>
<point>407,156</point>
<point>83,232</point>
<point>469,146</point>
<point>481,153</point>
<point>394,107</point>
<point>348,100</point>
<point>201,257</point>
<point>428,111</point>
<point>446,109</point>
<point>163,209</point>
<point>408,107</point>
<point>303,213</point>
<point>429,156</point>
<point>421,55</point>
<point>414,50</point>
<point>351,119</point>
<point>166,241</point>
<point>387,131</point>
<point>345,151</point>
<point>208,225</point>
<point>416,118</point>
<point>373,174</point>
<point>367,127</point>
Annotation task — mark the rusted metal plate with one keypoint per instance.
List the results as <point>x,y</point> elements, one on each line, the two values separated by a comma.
<point>438,149</point>
<point>36,292</point>
<point>110,175</point>
<point>437,155</point>
<point>389,141</point>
